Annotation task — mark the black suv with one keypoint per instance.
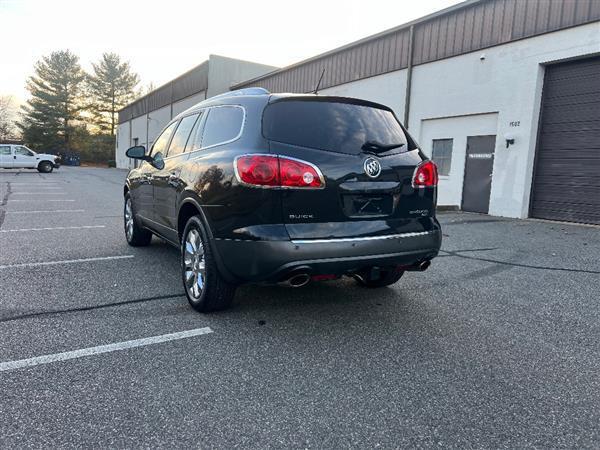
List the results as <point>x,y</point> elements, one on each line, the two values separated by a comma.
<point>256,187</point>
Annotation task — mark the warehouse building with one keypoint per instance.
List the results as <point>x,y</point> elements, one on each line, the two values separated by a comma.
<point>503,94</point>
<point>141,121</point>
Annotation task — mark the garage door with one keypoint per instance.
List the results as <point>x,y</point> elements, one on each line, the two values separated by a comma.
<point>566,183</point>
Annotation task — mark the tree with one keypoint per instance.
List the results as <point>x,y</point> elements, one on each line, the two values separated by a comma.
<point>112,86</point>
<point>8,113</point>
<point>56,103</point>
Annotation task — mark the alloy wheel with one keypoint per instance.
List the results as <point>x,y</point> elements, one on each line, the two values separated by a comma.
<point>194,264</point>
<point>128,220</point>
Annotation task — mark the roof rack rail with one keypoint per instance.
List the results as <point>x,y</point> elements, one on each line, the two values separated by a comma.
<point>245,91</point>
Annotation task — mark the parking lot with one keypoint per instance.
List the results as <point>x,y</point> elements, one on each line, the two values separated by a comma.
<point>496,345</point>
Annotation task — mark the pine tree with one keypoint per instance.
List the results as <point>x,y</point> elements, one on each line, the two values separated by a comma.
<point>112,86</point>
<point>57,100</point>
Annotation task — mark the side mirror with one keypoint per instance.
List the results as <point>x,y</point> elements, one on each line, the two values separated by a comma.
<point>137,152</point>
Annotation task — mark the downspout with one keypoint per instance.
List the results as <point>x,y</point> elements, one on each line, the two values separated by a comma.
<point>409,75</point>
<point>147,125</point>
<point>130,145</point>
<point>171,103</point>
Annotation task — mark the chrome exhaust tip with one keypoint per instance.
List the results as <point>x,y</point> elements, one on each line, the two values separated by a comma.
<point>297,280</point>
<point>419,267</point>
<point>424,266</point>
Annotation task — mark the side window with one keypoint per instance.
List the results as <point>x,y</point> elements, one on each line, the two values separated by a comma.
<point>195,141</point>
<point>442,155</point>
<point>181,135</point>
<point>24,151</point>
<point>5,150</point>
<point>223,124</point>
<point>160,145</point>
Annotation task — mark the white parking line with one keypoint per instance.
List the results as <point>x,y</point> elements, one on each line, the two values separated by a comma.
<point>65,261</point>
<point>41,200</point>
<point>84,227</point>
<point>38,193</point>
<point>46,211</point>
<point>90,351</point>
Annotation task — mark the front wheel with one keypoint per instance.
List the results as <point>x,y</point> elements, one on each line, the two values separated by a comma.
<point>136,235</point>
<point>380,278</point>
<point>205,288</point>
<point>45,167</point>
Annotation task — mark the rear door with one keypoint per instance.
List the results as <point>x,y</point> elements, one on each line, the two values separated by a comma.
<point>368,182</point>
<point>167,181</point>
<point>6,157</point>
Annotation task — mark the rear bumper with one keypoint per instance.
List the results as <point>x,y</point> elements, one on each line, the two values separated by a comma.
<point>273,261</point>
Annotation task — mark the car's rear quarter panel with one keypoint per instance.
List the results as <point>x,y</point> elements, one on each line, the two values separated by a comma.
<point>231,209</point>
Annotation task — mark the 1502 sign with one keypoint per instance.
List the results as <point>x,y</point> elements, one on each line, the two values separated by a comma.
<point>515,123</point>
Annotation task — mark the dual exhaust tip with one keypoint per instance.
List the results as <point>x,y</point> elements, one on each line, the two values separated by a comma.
<point>302,278</point>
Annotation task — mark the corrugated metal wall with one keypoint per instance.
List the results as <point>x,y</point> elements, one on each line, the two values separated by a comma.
<point>190,83</point>
<point>381,55</point>
<point>460,30</point>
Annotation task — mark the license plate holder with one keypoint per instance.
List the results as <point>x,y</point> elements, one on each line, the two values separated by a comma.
<point>367,205</point>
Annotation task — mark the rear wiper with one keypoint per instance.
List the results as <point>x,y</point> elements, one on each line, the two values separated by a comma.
<point>378,147</point>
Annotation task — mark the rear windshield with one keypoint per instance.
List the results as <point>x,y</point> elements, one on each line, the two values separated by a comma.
<point>332,126</point>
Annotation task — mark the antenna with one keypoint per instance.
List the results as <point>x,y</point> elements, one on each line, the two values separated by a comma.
<point>319,83</point>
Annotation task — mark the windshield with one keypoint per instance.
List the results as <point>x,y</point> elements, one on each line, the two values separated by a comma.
<point>333,126</point>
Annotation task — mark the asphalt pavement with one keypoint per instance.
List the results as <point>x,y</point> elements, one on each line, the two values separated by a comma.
<point>497,345</point>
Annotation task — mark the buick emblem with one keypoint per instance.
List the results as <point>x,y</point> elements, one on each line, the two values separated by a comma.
<point>372,167</point>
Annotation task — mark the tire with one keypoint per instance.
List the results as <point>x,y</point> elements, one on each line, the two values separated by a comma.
<point>204,286</point>
<point>136,235</point>
<point>45,167</point>
<point>386,277</point>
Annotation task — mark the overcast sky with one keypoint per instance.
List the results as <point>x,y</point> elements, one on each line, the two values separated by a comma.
<point>163,39</point>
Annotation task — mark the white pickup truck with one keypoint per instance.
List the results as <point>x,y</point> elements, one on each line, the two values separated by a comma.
<point>20,157</point>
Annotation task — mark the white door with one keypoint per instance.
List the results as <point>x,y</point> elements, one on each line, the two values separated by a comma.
<point>6,158</point>
<point>24,158</point>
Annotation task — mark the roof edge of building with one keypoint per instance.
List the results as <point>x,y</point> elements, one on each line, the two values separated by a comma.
<point>361,41</point>
<point>139,99</point>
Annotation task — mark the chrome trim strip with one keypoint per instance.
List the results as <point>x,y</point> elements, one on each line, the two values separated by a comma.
<point>367,238</point>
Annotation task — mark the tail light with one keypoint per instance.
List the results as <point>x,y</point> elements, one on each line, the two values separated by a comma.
<point>426,175</point>
<point>277,171</point>
<point>257,170</point>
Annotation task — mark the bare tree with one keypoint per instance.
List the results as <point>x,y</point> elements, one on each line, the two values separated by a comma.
<point>8,117</point>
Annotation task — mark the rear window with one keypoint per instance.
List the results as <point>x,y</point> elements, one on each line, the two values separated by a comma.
<point>332,126</point>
